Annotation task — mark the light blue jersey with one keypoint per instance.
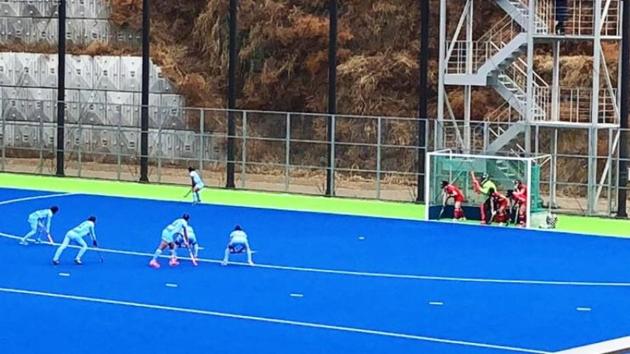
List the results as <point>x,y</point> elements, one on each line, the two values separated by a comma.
<point>238,236</point>
<point>191,236</point>
<point>84,229</point>
<point>43,217</point>
<point>196,179</point>
<point>178,226</point>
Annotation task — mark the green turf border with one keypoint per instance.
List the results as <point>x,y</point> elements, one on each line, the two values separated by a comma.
<point>346,206</point>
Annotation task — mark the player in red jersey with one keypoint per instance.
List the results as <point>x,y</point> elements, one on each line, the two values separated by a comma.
<point>519,197</point>
<point>450,190</point>
<point>500,206</point>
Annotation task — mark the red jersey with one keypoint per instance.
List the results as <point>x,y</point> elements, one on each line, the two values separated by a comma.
<point>500,201</point>
<point>520,194</point>
<point>452,191</point>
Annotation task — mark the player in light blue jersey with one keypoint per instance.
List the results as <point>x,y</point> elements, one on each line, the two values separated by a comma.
<point>180,241</point>
<point>77,234</point>
<point>168,240</point>
<point>40,223</point>
<point>196,184</point>
<point>238,244</point>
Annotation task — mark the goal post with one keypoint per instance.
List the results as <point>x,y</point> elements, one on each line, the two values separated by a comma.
<point>458,169</point>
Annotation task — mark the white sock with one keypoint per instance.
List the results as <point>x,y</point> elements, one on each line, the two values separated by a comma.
<point>157,253</point>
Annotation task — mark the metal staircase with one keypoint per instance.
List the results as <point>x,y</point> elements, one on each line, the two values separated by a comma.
<point>495,61</point>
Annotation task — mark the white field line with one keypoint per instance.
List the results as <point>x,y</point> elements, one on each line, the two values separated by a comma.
<point>368,274</point>
<point>26,199</point>
<point>269,320</point>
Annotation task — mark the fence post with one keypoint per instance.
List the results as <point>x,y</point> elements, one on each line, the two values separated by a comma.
<point>144,110</point>
<point>244,150</point>
<point>40,138</point>
<point>331,176</point>
<point>202,120</point>
<point>80,144</point>
<point>119,145</point>
<point>379,141</point>
<point>287,156</point>
<point>4,138</point>
<point>61,86</point>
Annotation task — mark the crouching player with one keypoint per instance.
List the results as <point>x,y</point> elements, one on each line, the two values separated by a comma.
<point>168,240</point>
<point>180,241</point>
<point>77,234</point>
<point>40,223</point>
<point>500,207</point>
<point>238,244</point>
<point>450,190</point>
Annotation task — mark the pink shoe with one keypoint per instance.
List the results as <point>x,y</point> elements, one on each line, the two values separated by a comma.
<point>173,262</point>
<point>154,264</point>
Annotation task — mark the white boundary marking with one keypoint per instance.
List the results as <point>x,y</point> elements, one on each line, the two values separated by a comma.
<point>171,285</point>
<point>64,274</point>
<point>436,303</point>
<point>584,309</point>
<point>296,295</point>
<point>609,346</point>
<point>25,199</point>
<point>269,320</point>
<point>367,274</point>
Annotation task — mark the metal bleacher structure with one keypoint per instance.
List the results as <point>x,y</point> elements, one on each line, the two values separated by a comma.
<point>503,60</point>
<point>103,96</point>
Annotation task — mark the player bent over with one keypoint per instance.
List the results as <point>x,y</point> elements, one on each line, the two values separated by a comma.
<point>238,244</point>
<point>500,207</point>
<point>40,222</point>
<point>168,240</point>
<point>196,184</point>
<point>77,234</point>
<point>450,190</point>
<point>180,241</point>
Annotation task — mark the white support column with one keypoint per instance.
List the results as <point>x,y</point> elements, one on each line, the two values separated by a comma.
<point>592,158</point>
<point>531,15</point>
<point>555,84</point>
<point>470,53</point>
<point>439,134</point>
<point>554,170</point>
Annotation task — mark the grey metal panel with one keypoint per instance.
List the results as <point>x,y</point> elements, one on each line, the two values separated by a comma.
<point>4,35</point>
<point>43,30</point>
<point>13,104</point>
<point>155,114</point>
<point>102,9</point>
<point>73,106</point>
<point>103,140</point>
<point>74,31</point>
<point>80,9</point>
<point>185,144</point>
<point>48,70</point>
<point>93,107</point>
<point>18,29</point>
<point>107,73</point>
<point>7,139</point>
<point>26,69</point>
<point>95,30</point>
<point>7,62</point>
<point>26,135</point>
<point>161,143</point>
<point>120,109</point>
<point>79,72</point>
<point>31,8</point>
<point>9,8</point>
<point>171,112</point>
<point>130,73</point>
<point>49,136</point>
<point>39,104</point>
<point>128,141</point>
<point>49,8</point>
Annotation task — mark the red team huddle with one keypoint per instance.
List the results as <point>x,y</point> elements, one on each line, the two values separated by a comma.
<point>501,208</point>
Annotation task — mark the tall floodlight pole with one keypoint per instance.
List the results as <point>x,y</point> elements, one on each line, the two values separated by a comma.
<point>61,86</point>
<point>144,111</point>
<point>233,12</point>
<point>624,112</point>
<point>423,95</point>
<point>332,95</point>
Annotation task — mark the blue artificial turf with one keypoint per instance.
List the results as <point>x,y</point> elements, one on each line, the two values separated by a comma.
<point>533,316</point>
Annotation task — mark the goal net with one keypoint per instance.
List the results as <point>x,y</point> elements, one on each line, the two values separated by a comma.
<point>491,189</point>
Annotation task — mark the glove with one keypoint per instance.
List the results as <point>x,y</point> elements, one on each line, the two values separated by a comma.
<point>94,243</point>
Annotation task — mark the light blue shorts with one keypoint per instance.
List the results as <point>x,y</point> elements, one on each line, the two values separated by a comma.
<point>167,237</point>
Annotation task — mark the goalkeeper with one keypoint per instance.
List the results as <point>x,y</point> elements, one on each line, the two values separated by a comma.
<point>487,188</point>
<point>450,190</point>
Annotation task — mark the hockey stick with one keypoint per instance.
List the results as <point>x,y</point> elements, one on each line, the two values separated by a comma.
<point>188,193</point>
<point>192,256</point>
